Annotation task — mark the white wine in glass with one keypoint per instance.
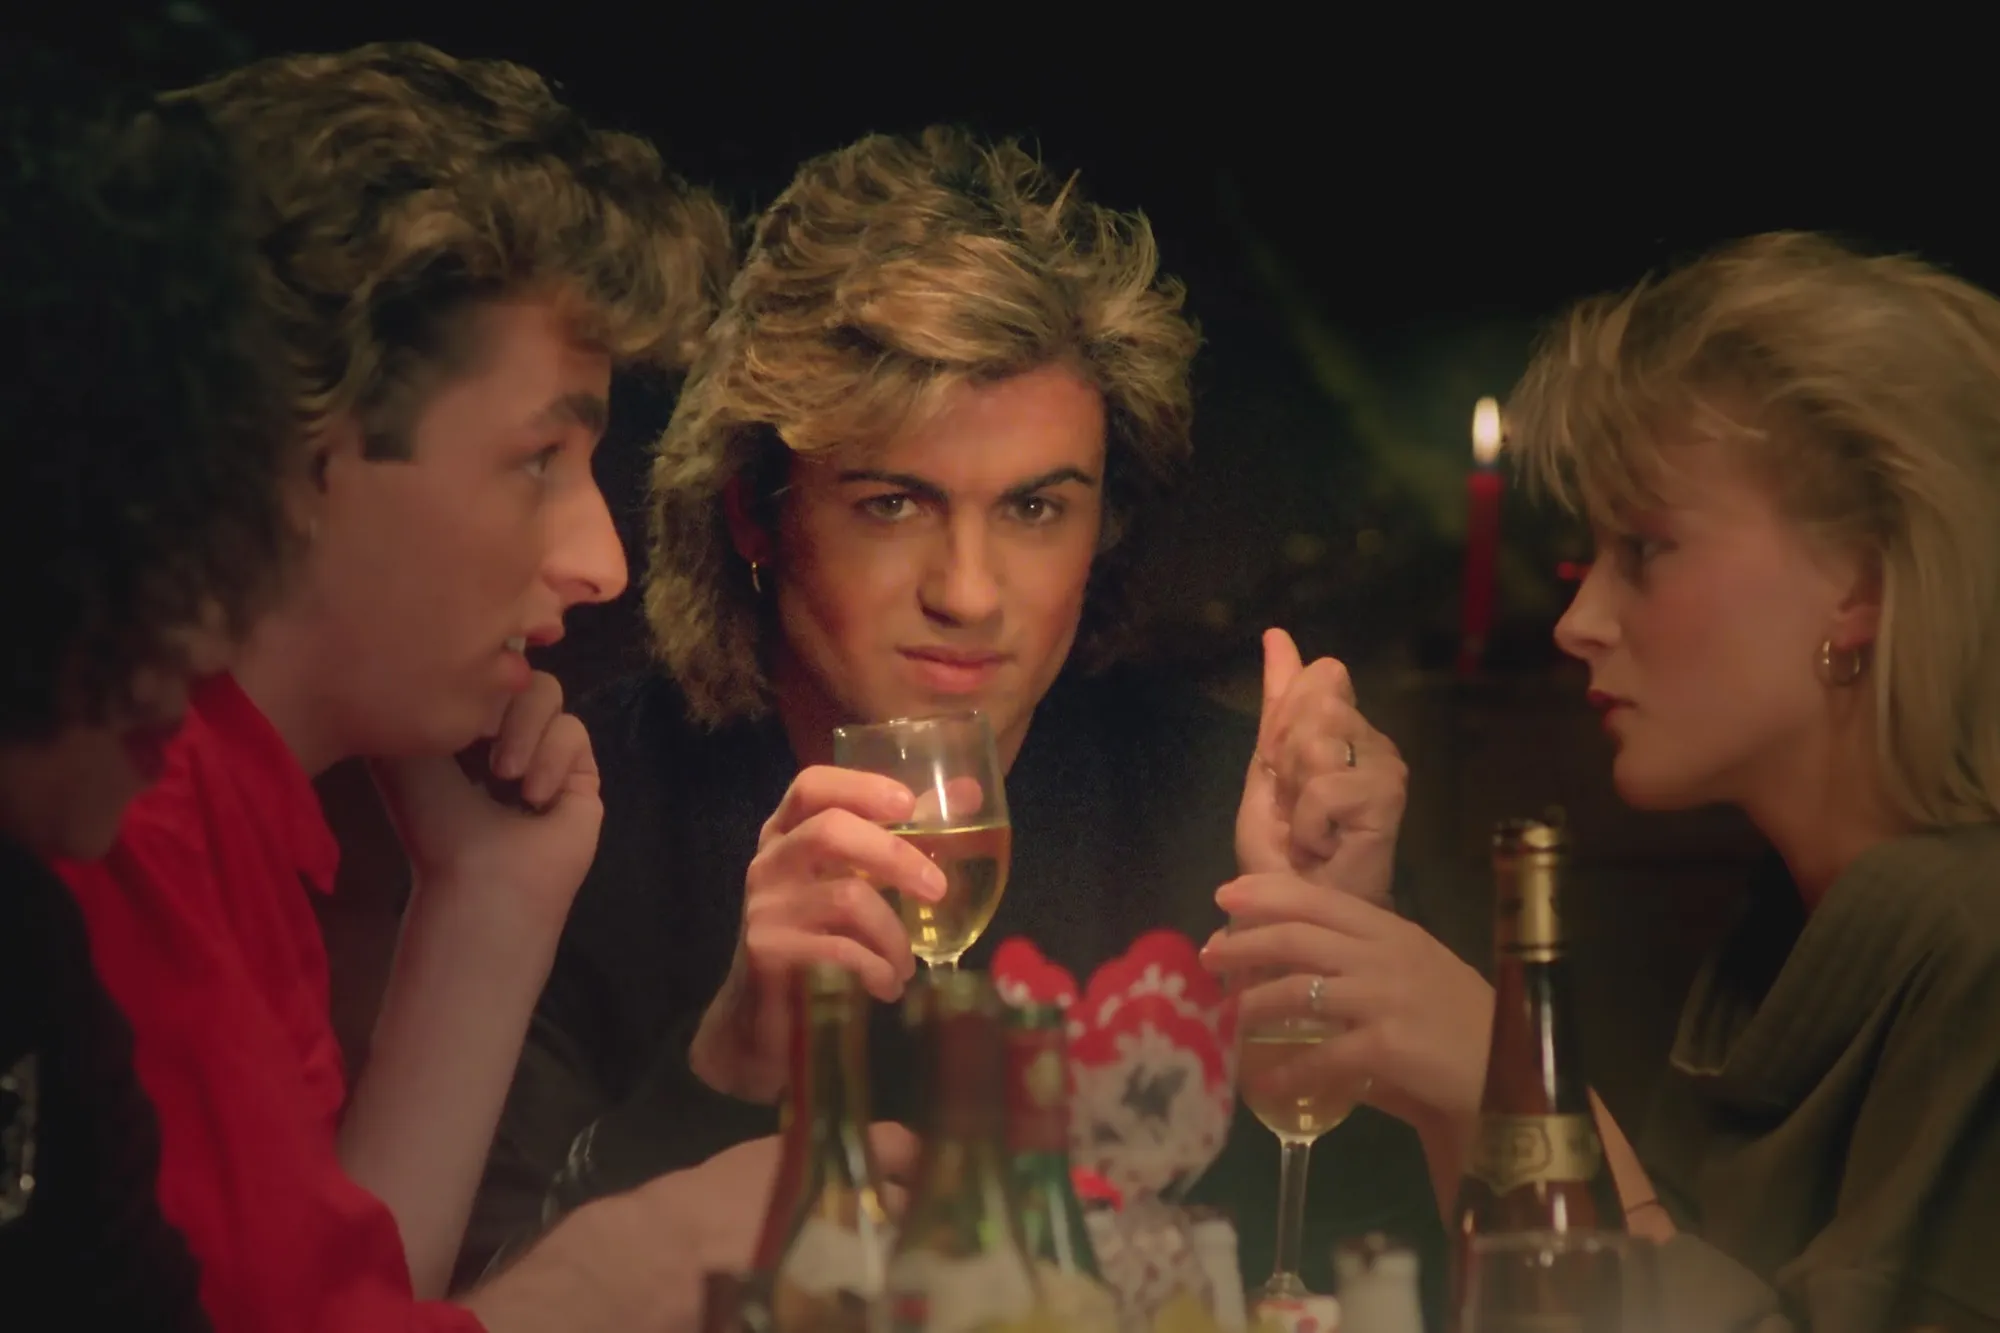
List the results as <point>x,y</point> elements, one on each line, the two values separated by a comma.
<point>974,860</point>
<point>951,766</point>
<point>1304,1115</point>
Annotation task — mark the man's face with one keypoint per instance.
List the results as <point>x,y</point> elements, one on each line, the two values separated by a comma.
<point>945,568</point>
<point>430,577</point>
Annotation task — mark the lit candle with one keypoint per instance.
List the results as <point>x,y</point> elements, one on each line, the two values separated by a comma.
<point>1482,536</point>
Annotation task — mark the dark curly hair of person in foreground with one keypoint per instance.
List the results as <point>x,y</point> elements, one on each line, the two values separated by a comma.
<point>140,406</point>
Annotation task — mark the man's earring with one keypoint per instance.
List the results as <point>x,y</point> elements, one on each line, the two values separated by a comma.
<point>756,583</point>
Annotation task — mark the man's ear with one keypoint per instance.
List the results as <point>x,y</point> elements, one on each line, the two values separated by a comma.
<point>746,534</point>
<point>338,445</point>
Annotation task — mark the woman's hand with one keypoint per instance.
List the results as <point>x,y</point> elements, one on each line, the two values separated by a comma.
<point>1416,1019</point>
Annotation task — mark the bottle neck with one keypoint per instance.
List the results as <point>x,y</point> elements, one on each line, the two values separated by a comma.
<point>834,1101</point>
<point>1532,1063</point>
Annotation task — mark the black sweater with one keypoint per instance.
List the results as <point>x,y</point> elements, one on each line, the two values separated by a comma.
<point>1123,800</point>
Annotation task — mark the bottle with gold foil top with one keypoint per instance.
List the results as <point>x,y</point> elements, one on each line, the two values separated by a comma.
<point>959,1263</point>
<point>1052,1223</point>
<point>1537,1164</point>
<point>830,1264</point>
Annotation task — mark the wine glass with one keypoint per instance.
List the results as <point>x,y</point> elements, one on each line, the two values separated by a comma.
<point>1298,1119</point>
<point>950,764</point>
<point>1591,1281</point>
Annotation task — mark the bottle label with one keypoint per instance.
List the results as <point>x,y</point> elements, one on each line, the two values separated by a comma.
<point>1516,1150</point>
<point>1529,925</point>
<point>1037,1092</point>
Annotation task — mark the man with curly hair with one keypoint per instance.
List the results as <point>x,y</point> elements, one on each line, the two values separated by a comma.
<point>917,467</point>
<point>455,263</point>
<point>143,516</point>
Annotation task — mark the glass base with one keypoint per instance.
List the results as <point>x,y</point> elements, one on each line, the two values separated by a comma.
<point>1282,1287</point>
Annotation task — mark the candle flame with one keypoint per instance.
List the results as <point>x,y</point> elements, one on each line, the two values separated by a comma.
<point>1486,434</point>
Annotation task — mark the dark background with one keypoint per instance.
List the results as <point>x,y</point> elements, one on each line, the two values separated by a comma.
<point>1371,227</point>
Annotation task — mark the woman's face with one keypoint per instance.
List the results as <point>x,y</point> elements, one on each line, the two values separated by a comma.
<point>64,796</point>
<point>1701,621</point>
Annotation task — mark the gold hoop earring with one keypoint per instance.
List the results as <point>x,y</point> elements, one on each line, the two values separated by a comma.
<point>756,583</point>
<point>1841,667</point>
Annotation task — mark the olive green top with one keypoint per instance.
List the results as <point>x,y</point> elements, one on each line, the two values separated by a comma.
<point>1830,1125</point>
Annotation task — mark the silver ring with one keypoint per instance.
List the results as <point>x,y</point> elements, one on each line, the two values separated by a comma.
<point>1352,758</point>
<point>1315,994</point>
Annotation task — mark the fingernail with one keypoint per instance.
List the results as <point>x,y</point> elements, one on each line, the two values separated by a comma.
<point>935,878</point>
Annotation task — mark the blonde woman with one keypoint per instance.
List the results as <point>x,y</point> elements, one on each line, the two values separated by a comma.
<point>1790,456</point>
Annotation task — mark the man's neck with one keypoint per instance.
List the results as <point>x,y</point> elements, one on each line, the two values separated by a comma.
<point>284,675</point>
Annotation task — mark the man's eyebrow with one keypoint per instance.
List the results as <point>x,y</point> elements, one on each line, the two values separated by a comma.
<point>902,481</point>
<point>587,410</point>
<point>1053,477</point>
<point>905,481</point>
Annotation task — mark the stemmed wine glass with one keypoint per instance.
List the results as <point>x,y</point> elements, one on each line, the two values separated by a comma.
<point>951,765</point>
<point>1298,1118</point>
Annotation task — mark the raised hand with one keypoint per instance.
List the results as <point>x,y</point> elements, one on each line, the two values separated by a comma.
<point>1325,792</point>
<point>523,850</point>
<point>813,893</point>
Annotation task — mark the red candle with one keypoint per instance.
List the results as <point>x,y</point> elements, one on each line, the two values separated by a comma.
<point>1482,537</point>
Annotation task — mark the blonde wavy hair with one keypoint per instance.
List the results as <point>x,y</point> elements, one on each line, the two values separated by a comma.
<point>889,273</point>
<point>1874,384</point>
<point>399,187</point>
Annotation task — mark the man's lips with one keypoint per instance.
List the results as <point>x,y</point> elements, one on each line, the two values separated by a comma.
<point>953,671</point>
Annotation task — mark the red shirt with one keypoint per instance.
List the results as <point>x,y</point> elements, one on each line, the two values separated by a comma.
<point>201,928</point>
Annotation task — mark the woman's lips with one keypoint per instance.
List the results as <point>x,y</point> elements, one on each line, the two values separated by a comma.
<point>1608,706</point>
<point>953,672</point>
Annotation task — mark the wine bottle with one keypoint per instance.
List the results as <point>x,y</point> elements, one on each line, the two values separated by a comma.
<point>1052,1223</point>
<point>959,1263</point>
<point>1537,1164</point>
<point>831,1264</point>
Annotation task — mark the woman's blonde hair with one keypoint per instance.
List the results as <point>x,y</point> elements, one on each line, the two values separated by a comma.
<point>889,273</point>
<point>399,187</point>
<point>1874,392</point>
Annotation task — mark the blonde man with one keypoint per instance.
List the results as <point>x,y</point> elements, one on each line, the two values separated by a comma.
<point>916,469</point>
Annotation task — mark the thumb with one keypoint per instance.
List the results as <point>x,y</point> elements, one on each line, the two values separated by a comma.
<point>1282,666</point>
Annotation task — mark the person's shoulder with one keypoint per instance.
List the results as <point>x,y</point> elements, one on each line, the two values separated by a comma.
<point>635,718</point>
<point>1955,874</point>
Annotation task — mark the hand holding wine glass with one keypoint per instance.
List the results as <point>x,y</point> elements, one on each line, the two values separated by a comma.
<point>959,821</point>
<point>811,895</point>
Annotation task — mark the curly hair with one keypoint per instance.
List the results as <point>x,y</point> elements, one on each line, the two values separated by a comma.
<point>141,415</point>
<point>401,187</point>
<point>889,273</point>
<point>1873,392</point>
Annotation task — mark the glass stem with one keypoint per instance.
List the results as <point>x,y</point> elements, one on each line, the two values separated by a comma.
<point>1293,1155</point>
<point>945,966</point>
